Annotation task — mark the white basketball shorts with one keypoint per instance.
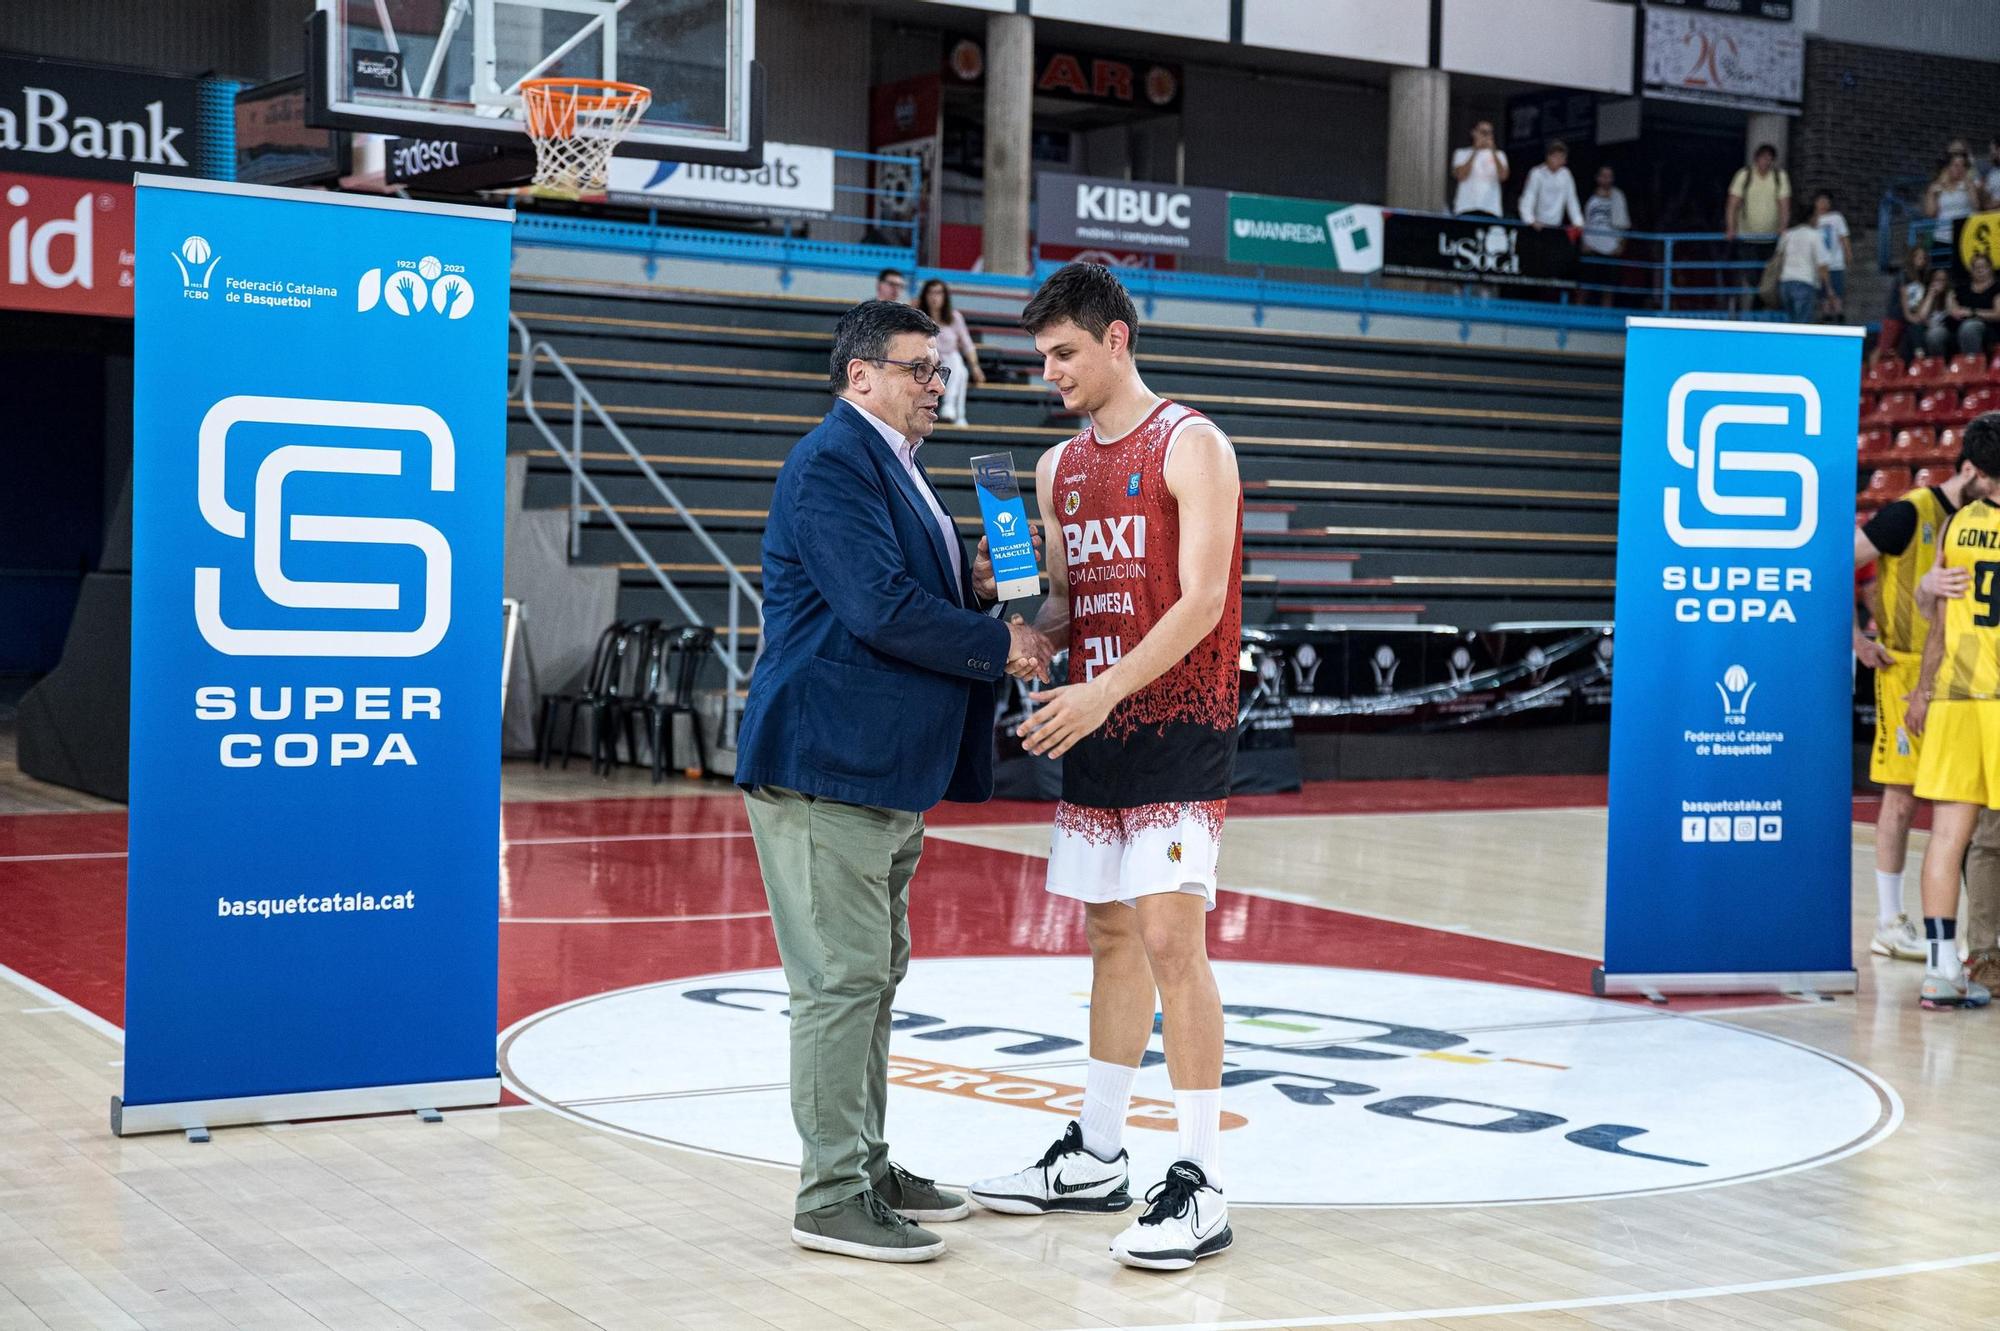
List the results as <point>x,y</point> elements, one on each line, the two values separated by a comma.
<point>1103,855</point>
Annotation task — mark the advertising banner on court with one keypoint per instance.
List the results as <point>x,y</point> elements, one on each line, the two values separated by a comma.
<point>312,921</point>
<point>1101,213</point>
<point>1483,250</point>
<point>68,245</point>
<point>794,181</point>
<point>1305,233</point>
<point>1729,857</point>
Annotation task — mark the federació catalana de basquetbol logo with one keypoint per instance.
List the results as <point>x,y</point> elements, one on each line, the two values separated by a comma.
<point>411,287</point>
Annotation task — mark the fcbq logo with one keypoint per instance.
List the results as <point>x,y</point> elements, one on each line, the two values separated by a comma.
<point>196,259</point>
<point>411,288</point>
<point>1782,528</point>
<point>269,532</point>
<point>1005,522</point>
<point>1735,686</point>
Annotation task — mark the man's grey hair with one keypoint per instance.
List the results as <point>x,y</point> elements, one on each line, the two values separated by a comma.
<point>864,333</point>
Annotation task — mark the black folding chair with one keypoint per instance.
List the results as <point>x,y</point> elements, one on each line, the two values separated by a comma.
<point>673,667</point>
<point>593,686</point>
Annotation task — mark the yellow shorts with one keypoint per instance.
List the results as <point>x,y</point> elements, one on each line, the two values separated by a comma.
<point>1960,759</point>
<point>1895,759</point>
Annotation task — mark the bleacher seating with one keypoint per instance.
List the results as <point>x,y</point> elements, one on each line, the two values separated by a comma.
<point>1384,481</point>
<point>1911,418</point>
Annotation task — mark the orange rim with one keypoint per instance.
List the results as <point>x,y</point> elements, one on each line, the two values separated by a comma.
<point>553,104</point>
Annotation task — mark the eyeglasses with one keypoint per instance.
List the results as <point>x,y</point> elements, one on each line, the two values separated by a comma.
<point>922,371</point>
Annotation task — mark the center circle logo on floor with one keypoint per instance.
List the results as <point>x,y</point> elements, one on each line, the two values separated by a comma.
<point>1340,1087</point>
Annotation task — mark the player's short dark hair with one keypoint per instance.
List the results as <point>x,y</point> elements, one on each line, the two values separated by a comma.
<point>1980,444</point>
<point>1088,296</point>
<point>863,333</point>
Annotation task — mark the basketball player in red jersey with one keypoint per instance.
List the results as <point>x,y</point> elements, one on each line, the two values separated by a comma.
<point>1145,580</point>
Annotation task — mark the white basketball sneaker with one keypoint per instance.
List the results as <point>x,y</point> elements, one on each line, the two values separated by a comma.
<point>1067,1178</point>
<point>1186,1220</point>
<point>1899,939</point>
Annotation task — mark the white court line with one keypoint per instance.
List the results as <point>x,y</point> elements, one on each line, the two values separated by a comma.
<point>624,836</point>
<point>506,841</point>
<point>56,1000</point>
<point>1566,1305</point>
<point>631,919</point>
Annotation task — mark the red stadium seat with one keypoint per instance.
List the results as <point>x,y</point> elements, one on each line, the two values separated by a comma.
<point>1978,401</point>
<point>1924,370</point>
<point>1948,444</point>
<point>1913,445</point>
<point>1924,476</point>
<point>1940,406</point>
<point>1897,408</point>
<point>1965,370</point>
<point>1884,371</point>
<point>1886,483</point>
<point>1874,442</point>
<point>1861,515</point>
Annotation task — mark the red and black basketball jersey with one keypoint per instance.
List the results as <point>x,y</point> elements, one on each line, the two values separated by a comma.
<point>1173,741</point>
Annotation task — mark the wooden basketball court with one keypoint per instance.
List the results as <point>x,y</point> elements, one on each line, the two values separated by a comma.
<point>1439,1127</point>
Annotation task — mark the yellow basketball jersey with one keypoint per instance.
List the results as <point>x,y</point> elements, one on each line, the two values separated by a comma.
<point>1971,666</point>
<point>1903,627</point>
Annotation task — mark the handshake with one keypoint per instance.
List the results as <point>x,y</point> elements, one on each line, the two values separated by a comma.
<point>1029,651</point>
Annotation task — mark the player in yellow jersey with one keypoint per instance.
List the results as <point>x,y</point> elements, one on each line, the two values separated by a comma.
<point>1955,709</point>
<point>1902,541</point>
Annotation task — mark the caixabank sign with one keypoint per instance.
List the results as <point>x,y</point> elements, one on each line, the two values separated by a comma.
<point>94,121</point>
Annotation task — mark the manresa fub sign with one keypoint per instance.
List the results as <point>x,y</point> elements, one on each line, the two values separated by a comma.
<point>1095,213</point>
<point>1304,233</point>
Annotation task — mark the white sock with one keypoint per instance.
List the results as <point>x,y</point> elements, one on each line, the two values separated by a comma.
<point>1200,1116</point>
<point>1944,958</point>
<point>1888,896</point>
<point>1107,1099</point>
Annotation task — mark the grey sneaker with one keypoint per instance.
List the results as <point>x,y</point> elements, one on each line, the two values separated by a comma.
<point>864,1226</point>
<point>916,1198</point>
<point>1900,939</point>
<point>1942,991</point>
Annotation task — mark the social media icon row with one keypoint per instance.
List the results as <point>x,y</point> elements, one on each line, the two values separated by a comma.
<point>1743,827</point>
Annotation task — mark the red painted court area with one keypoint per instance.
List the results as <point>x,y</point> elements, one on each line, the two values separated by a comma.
<point>598,895</point>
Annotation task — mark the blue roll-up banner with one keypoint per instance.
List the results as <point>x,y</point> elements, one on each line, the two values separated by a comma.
<point>1728,866</point>
<point>319,409</point>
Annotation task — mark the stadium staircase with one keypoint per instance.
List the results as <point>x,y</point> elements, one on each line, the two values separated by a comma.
<point>1385,482</point>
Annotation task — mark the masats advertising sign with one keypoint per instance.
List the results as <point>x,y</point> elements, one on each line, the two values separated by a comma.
<point>65,245</point>
<point>63,119</point>
<point>794,181</point>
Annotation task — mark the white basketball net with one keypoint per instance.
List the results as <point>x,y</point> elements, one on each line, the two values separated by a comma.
<point>575,126</point>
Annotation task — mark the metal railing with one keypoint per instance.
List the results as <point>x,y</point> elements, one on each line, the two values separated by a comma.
<point>728,646</point>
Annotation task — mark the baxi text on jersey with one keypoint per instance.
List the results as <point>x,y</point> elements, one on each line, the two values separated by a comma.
<point>1105,538</point>
<point>301,725</point>
<point>1735,593</point>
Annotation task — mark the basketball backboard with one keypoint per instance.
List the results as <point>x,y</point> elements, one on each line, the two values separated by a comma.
<point>452,69</point>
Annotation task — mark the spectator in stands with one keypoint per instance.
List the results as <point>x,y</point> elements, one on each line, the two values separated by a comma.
<point>1992,181</point>
<point>890,285</point>
<point>1839,247</point>
<point>1760,199</point>
<point>1480,171</point>
<point>1549,197</point>
<point>1804,272</point>
<point>1906,315</point>
<point>1606,219</point>
<point>955,349</point>
<point>1972,312</point>
<point>1954,193</point>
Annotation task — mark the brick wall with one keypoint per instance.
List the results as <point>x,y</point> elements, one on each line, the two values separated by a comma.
<point>1874,115</point>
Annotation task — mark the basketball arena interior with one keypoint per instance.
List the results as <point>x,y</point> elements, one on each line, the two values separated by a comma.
<point>562,763</point>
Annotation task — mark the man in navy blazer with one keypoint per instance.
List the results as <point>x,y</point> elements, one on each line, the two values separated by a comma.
<point>873,699</point>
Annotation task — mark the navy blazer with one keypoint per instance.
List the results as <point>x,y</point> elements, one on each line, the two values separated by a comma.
<point>877,681</point>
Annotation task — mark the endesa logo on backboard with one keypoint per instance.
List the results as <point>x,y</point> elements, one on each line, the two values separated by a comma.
<point>65,245</point>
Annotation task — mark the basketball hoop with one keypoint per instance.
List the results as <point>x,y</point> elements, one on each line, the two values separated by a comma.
<point>575,125</point>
